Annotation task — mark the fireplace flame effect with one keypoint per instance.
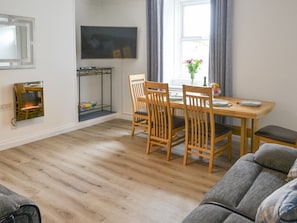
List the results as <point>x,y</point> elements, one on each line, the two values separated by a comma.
<point>29,106</point>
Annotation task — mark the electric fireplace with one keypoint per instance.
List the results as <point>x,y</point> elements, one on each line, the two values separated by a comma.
<point>28,100</point>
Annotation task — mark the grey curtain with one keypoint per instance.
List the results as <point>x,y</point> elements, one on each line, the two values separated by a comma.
<point>220,52</point>
<point>155,40</point>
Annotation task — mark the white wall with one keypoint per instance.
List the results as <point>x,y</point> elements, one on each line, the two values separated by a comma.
<point>264,56</point>
<point>131,13</point>
<point>55,65</point>
<point>55,55</point>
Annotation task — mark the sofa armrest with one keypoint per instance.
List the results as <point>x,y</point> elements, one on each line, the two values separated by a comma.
<point>276,157</point>
<point>17,208</point>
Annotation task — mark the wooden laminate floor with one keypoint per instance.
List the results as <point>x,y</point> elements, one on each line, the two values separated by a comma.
<point>102,174</point>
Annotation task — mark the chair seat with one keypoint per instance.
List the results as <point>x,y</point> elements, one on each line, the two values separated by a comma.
<point>177,122</point>
<point>278,133</point>
<point>221,129</point>
<point>141,112</point>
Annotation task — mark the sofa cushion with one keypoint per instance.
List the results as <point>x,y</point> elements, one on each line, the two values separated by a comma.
<point>277,157</point>
<point>245,186</point>
<point>236,182</point>
<point>207,213</point>
<point>280,206</point>
<point>293,172</point>
<point>266,183</point>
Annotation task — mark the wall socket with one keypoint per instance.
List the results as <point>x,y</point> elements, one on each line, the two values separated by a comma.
<point>4,107</point>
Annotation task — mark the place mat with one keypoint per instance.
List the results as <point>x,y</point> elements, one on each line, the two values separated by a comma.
<point>175,97</point>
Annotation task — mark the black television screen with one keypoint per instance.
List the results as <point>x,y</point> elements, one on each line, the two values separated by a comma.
<point>108,42</point>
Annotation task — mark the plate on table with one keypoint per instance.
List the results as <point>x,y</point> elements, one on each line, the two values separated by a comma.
<point>175,97</point>
<point>251,103</point>
<point>220,103</point>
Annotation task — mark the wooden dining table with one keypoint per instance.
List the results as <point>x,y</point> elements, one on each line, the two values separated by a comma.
<point>249,117</point>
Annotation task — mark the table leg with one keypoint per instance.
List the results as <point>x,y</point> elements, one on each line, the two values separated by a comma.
<point>243,136</point>
<point>254,138</point>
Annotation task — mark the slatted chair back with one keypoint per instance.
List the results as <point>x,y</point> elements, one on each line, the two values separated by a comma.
<point>163,127</point>
<point>202,133</point>
<point>139,112</point>
<point>201,122</point>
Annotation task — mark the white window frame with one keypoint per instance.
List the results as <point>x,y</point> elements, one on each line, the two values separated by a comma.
<point>174,69</point>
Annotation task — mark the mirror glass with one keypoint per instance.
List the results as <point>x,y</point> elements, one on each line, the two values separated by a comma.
<point>16,42</point>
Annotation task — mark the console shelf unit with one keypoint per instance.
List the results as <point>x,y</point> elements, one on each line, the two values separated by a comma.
<point>101,108</point>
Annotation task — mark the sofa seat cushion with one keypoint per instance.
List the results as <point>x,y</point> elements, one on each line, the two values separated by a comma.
<point>207,213</point>
<point>266,183</point>
<point>245,186</point>
<point>235,183</point>
<point>280,206</point>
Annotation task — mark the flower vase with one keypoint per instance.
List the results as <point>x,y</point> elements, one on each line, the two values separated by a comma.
<point>192,78</point>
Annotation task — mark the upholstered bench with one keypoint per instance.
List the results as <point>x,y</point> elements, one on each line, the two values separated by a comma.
<point>15,208</point>
<point>278,135</point>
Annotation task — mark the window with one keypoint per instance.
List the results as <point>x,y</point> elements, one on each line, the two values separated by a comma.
<point>186,36</point>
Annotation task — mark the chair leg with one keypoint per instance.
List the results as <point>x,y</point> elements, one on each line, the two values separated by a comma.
<point>229,148</point>
<point>168,151</point>
<point>210,166</point>
<point>132,130</point>
<point>185,155</point>
<point>169,146</point>
<point>148,145</point>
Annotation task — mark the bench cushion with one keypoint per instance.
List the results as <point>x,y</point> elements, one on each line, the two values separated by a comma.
<point>278,133</point>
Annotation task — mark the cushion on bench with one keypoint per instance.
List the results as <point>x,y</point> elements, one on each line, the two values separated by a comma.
<point>278,133</point>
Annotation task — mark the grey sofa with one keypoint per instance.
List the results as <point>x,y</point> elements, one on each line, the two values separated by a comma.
<point>253,178</point>
<point>15,208</point>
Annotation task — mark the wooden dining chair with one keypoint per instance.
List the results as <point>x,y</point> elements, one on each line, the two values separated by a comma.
<point>204,137</point>
<point>165,129</point>
<point>139,111</point>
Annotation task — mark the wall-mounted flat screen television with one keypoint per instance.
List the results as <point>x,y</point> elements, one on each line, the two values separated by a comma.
<point>108,42</point>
